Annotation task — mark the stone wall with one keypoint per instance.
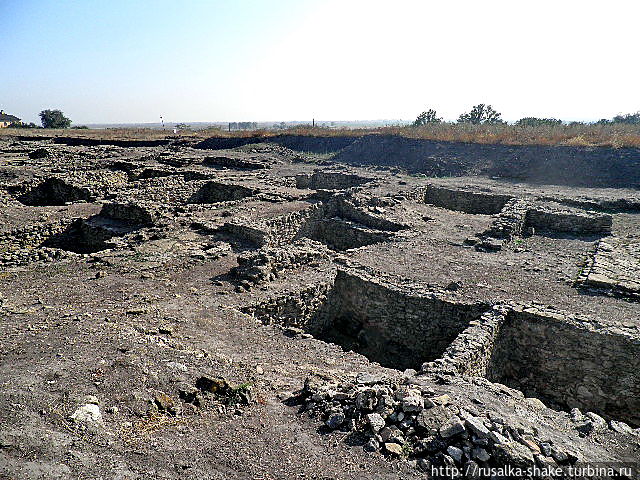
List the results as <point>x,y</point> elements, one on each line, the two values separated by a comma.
<point>470,353</point>
<point>546,219</point>
<point>462,200</point>
<point>132,213</point>
<point>295,309</point>
<point>339,234</point>
<point>569,361</point>
<point>397,326</point>
<point>613,268</point>
<point>337,223</point>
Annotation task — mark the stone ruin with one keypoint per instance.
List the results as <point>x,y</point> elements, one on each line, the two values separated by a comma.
<point>470,302</point>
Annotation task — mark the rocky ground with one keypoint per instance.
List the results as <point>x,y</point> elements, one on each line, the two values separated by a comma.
<point>265,313</point>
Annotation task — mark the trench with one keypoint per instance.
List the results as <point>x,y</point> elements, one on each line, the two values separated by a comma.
<point>563,361</point>
<point>464,201</point>
<point>53,191</point>
<point>90,235</point>
<point>96,233</point>
<point>568,365</point>
<point>391,326</point>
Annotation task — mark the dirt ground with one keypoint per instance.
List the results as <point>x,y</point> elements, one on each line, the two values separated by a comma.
<point>129,310</point>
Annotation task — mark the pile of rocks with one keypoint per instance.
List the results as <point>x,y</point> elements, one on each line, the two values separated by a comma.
<point>429,430</point>
<point>268,262</point>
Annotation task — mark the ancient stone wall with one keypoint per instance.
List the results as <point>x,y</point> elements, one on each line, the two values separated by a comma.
<point>569,361</point>
<point>214,192</point>
<point>470,353</point>
<point>464,200</point>
<point>395,326</point>
<point>296,309</point>
<point>340,234</point>
<point>561,221</point>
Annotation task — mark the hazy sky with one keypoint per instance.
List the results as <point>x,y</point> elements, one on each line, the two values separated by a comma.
<point>242,60</point>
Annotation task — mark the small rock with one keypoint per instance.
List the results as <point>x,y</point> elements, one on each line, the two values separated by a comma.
<point>514,454</point>
<point>375,421</point>
<point>366,400</point>
<point>475,425</point>
<point>452,427</point>
<point>424,465</point>
<point>393,448</point>
<point>480,454</point>
<point>364,378</point>
<point>88,414</point>
<point>412,404</point>
<point>335,420</point>
<point>372,445</point>
<point>455,453</point>
<point>558,455</point>
<point>497,438</point>
<point>621,427</point>
<point>441,399</point>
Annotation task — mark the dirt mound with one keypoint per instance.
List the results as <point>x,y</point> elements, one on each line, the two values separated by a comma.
<point>575,166</point>
<point>302,143</point>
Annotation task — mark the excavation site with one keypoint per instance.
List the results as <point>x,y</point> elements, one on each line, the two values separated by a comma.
<point>318,307</point>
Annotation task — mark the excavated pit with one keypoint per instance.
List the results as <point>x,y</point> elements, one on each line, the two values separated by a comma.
<point>54,191</point>
<point>565,361</point>
<point>394,326</point>
<point>93,234</point>
<point>569,364</point>
<point>90,235</point>
<point>463,200</point>
<point>215,192</point>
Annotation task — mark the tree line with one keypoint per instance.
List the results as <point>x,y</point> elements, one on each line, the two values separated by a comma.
<point>482,114</point>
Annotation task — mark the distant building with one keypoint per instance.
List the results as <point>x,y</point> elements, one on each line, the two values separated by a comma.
<point>6,120</point>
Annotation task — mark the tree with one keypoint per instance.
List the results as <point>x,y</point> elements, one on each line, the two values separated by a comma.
<point>481,114</point>
<point>54,119</point>
<point>630,118</point>
<point>430,116</point>
<point>536,122</point>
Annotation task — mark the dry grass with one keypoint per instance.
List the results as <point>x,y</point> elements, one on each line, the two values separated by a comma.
<point>616,136</point>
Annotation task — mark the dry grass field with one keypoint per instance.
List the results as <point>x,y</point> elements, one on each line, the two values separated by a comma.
<point>616,136</point>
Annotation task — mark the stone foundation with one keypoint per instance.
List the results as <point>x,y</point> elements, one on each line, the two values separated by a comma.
<point>462,200</point>
<point>613,268</point>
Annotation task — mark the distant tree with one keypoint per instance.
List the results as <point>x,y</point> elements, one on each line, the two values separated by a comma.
<point>54,119</point>
<point>576,124</point>
<point>536,122</point>
<point>430,116</point>
<point>481,114</point>
<point>629,118</point>
<point>603,121</point>
<point>183,126</point>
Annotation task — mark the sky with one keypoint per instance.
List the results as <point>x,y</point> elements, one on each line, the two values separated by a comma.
<point>123,61</point>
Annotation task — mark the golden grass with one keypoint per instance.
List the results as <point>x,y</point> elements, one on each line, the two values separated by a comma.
<point>616,136</point>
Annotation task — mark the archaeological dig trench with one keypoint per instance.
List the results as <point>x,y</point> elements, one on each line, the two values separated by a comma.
<point>562,360</point>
